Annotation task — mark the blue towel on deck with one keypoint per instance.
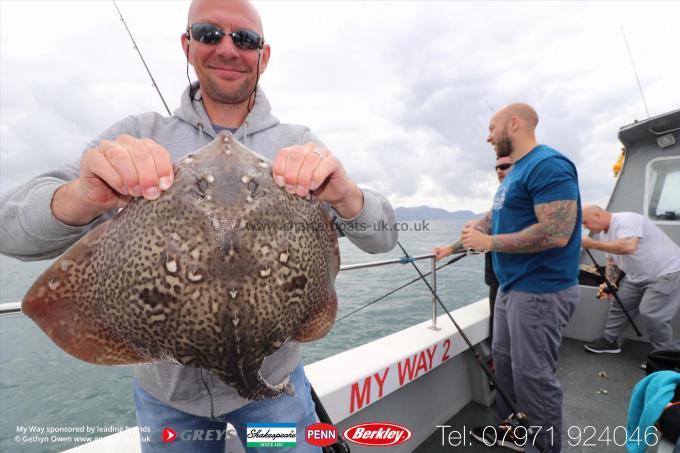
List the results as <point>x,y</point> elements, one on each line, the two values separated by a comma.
<point>650,397</point>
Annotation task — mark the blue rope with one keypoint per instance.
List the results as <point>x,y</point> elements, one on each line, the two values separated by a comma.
<point>406,259</point>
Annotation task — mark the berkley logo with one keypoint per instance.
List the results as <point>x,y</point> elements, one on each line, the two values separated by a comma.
<point>321,434</point>
<point>169,435</point>
<point>377,434</point>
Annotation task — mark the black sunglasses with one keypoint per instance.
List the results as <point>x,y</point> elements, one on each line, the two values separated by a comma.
<point>503,166</point>
<point>212,34</point>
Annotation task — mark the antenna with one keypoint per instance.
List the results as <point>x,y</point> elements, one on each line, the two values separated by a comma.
<point>635,71</point>
<point>134,44</point>
<point>490,108</point>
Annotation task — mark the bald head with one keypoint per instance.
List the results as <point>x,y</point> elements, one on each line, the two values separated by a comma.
<point>227,70</point>
<point>526,114</point>
<point>592,209</point>
<point>512,130</point>
<point>200,11</point>
<point>595,218</point>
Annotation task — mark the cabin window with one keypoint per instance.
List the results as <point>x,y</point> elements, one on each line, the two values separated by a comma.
<point>662,192</point>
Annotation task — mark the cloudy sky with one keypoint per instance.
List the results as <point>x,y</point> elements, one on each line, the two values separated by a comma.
<point>397,89</point>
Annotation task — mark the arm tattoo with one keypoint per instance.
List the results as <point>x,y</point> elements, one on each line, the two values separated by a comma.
<point>556,222</point>
<point>484,224</point>
<point>612,272</point>
<point>457,246</point>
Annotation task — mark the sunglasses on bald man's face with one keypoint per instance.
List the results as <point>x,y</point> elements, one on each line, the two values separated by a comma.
<point>503,166</point>
<point>212,34</point>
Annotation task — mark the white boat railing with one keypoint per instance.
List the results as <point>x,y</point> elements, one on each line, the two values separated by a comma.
<point>10,308</point>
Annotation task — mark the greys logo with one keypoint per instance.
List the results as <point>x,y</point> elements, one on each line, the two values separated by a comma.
<point>170,435</point>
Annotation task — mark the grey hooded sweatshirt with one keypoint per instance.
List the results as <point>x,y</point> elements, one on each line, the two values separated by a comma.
<point>29,231</point>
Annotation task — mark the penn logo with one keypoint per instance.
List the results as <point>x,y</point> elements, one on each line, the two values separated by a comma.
<point>378,434</point>
<point>169,435</point>
<point>321,434</point>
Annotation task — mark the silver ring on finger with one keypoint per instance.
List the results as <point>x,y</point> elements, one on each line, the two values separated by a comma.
<point>318,153</point>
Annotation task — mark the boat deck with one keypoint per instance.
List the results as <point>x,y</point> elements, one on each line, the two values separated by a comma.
<point>589,400</point>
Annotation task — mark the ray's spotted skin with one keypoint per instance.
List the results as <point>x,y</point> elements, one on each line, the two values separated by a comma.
<point>217,273</point>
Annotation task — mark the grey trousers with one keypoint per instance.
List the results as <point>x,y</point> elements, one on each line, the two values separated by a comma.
<point>527,335</point>
<point>656,300</point>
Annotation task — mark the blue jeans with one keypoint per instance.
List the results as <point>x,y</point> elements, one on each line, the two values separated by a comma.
<point>192,430</point>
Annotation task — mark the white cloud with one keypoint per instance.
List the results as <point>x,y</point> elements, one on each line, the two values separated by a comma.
<point>397,90</point>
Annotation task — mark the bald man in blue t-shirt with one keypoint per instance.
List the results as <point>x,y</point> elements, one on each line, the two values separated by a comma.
<point>535,242</point>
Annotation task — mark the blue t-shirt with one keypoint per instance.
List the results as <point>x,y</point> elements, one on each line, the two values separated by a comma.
<point>541,176</point>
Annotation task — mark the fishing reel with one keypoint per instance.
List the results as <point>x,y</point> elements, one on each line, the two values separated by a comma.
<point>603,292</point>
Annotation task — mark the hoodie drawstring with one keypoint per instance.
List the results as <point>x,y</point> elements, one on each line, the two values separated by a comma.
<point>200,130</point>
<point>245,133</point>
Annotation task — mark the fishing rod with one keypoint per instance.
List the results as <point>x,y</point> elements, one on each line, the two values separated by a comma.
<point>148,71</point>
<point>613,291</point>
<point>632,62</point>
<point>520,416</point>
<point>451,261</point>
<point>340,445</point>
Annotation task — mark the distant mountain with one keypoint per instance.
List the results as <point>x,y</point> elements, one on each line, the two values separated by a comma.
<point>429,213</point>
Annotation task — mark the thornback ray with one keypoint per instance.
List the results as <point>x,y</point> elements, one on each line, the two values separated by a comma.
<point>218,273</point>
